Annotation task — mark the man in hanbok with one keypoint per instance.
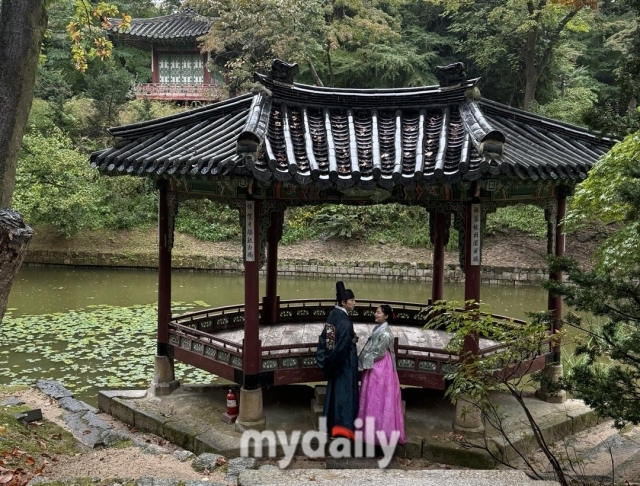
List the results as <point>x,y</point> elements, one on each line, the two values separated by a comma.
<point>337,357</point>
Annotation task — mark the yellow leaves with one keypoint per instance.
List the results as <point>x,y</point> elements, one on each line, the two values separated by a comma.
<point>87,16</point>
<point>103,48</point>
<point>3,429</point>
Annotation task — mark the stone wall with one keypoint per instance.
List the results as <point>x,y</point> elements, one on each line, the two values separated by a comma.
<point>308,268</point>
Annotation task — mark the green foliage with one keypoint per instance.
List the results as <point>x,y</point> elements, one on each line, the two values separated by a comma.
<point>251,33</point>
<point>476,378</point>
<point>208,220</point>
<point>126,202</point>
<point>612,390</point>
<point>523,217</point>
<point>389,223</point>
<point>56,187</point>
<point>109,90</point>
<point>145,109</point>
<point>611,194</point>
<point>54,184</point>
<point>571,108</point>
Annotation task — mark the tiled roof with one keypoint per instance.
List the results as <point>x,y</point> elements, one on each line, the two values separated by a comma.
<point>185,24</point>
<point>361,138</point>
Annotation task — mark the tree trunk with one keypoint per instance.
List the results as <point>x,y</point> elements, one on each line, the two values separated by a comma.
<point>15,236</point>
<point>22,27</point>
<point>530,71</point>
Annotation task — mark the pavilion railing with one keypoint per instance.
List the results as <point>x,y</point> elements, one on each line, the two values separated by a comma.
<point>180,91</point>
<point>194,333</point>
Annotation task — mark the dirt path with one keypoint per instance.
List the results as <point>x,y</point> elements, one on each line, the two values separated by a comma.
<point>130,462</point>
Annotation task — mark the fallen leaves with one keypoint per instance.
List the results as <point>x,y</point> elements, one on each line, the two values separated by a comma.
<point>221,461</point>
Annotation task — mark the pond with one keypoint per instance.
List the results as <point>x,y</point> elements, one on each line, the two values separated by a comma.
<point>94,329</point>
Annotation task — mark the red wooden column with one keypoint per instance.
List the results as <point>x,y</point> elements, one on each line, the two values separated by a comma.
<point>155,66</point>
<point>468,418</point>
<point>472,260</point>
<point>555,302</point>
<point>439,243</point>
<point>251,352</point>
<point>164,269</point>
<point>555,245</point>
<point>251,413</point>
<point>164,381</point>
<point>271,302</point>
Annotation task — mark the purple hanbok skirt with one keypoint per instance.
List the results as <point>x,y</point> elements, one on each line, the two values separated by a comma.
<point>380,400</point>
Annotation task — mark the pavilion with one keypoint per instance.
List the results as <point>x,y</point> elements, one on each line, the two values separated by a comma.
<point>286,144</point>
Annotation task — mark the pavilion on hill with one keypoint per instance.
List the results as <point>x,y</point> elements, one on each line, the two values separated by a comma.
<point>285,144</point>
<point>179,71</point>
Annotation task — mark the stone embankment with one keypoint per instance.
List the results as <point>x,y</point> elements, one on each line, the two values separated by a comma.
<point>365,270</point>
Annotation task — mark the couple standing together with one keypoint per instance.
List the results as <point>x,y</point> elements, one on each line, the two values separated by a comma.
<point>378,405</point>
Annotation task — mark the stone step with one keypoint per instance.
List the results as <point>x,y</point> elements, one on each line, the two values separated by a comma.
<point>357,477</point>
<point>316,412</point>
<point>622,448</point>
<point>317,409</point>
<point>320,393</point>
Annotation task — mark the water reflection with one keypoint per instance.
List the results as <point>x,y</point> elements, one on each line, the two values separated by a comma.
<point>47,290</point>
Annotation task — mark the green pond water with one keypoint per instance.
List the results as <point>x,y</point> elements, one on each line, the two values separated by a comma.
<point>95,329</point>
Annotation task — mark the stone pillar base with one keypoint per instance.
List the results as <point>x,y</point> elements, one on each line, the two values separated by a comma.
<point>163,389</point>
<point>164,380</point>
<point>468,419</point>
<point>258,425</point>
<point>251,414</point>
<point>553,373</point>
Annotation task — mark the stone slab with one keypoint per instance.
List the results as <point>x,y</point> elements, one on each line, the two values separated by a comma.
<point>357,477</point>
<point>53,388</point>
<point>218,442</point>
<point>149,421</point>
<point>122,410</point>
<point>73,405</point>
<point>182,434</point>
<point>86,427</point>
<point>105,396</point>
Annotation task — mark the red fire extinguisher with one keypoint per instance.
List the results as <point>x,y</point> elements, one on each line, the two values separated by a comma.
<point>232,403</point>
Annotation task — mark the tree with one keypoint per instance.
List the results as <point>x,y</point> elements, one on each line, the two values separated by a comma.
<point>610,292</point>
<point>506,369</point>
<point>521,36</point>
<point>22,27</point>
<point>610,197</point>
<point>346,43</point>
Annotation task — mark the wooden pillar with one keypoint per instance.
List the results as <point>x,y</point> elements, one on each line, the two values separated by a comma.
<point>251,413</point>
<point>206,80</point>
<point>439,243</point>
<point>271,301</point>
<point>155,66</point>
<point>468,417</point>
<point>473,255</point>
<point>251,352</point>
<point>164,381</point>
<point>555,246</point>
<point>557,233</point>
<point>164,269</point>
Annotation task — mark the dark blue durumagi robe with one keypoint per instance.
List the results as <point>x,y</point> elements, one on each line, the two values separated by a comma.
<point>337,357</point>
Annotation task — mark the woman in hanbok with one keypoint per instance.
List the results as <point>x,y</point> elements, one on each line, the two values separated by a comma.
<point>380,399</point>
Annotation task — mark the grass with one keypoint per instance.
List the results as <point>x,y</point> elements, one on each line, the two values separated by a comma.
<point>26,449</point>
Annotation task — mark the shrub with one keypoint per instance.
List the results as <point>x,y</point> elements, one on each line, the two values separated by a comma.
<point>208,220</point>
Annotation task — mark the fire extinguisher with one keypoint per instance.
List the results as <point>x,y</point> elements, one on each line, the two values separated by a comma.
<point>232,403</point>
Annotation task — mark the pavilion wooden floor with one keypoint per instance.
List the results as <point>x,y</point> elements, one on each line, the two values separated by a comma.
<point>308,333</point>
